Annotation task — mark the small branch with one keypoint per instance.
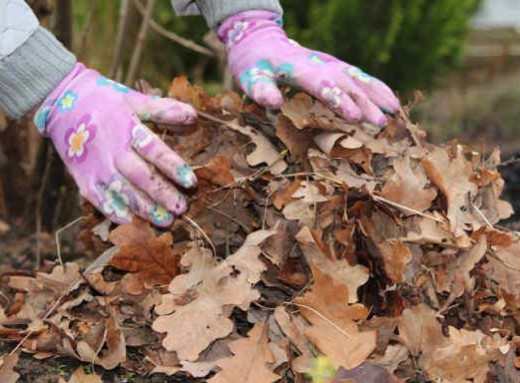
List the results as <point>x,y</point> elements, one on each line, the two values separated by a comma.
<point>406,208</point>
<point>58,233</point>
<point>202,232</point>
<point>173,36</point>
<point>243,226</point>
<point>334,325</point>
<point>482,216</point>
<point>124,13</point>
<point>141,37</point>
<point>86,29</point>
<point>39,201</point>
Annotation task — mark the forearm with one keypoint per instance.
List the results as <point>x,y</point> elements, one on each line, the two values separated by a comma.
<point>216,11</point>
<point>32,60</point>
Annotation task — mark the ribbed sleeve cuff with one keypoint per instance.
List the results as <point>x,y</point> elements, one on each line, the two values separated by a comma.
<point>32,71</point>
<point>216,12</point>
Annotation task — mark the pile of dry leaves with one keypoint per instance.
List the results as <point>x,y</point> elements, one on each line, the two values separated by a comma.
<point>313,249</point>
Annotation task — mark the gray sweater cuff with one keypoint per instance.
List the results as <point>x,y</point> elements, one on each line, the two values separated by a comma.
<point>32,71</point>
<point>216,11</point>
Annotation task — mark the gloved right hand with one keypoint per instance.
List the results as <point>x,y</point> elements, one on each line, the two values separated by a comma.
<point>118,163</point>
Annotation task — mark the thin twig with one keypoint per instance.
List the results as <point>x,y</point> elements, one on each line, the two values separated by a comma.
<point>339,329</point>
<point>482,216</point>
<point>57,236</point>
<point>120,39</point>
<point>375,197</point>
<point>173,36</point>
<point>139,46</point>
<point>512,161</point>
<point>91,269</point>
<point>47,314</point>
<point>243,226</point>
<point>196,226</point>
<point>84,33</point>
<point>39,203</point>
<point>406,208</point>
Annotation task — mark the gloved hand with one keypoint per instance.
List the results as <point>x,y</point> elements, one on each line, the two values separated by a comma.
<point>119,164</point>
<point>261,56</point>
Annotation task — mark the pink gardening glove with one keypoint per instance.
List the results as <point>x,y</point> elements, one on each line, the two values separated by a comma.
<point>119,164</point>
<point>262,56</point>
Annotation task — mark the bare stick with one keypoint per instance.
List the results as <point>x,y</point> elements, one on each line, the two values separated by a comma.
<point>124,12</point>
<point>406,208</point>
<point>334,325</point>
<point>39,202</point>
<point>202,232</point>
<point>86,29</point>
<point>141,37</point>
<point>57,236</point>
<point>482,216</point>
<point>173,36</point>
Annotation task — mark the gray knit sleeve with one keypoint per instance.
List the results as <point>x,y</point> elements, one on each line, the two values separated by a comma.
<point>216,11</point>
<point>31,71</point>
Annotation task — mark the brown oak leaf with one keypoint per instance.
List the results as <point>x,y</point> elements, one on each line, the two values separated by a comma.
<point>452,175</point>
<point>7,365</point>
<point>249,363</point>
<point>408,187</point>
<point>142,252</point>
<point>196,312</point>
<point>334,329</point>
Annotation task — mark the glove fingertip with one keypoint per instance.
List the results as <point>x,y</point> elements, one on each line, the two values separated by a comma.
<point>268,95</point>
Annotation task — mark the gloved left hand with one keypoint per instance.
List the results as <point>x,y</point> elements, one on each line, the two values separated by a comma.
<point>261,56</point>
<point>118,163</point>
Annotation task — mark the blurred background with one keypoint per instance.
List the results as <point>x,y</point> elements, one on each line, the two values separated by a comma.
<point>462,55</point>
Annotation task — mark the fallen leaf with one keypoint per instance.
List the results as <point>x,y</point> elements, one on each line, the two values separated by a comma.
<point>297,141</point>
<point>224,286</point>
<point>249,363</point>
<point>7,365</point>
<point>79,376</point>
<point>466,357</point>
<point>142,252</point>
<point>453,178</point>
<point>408,187</point>
<point>334,330</point>
<point>420,332</point>
<point>341,271</point>
<point>264,151</point>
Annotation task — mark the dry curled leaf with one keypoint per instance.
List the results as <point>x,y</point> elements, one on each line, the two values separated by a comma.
<point>452,175</point>
<point>142,252</point>
<point>223,287</point>
<point>250,360</point>
<point>408,187</point>
<point>80,376</point>
<point>334,330</point>
<point>7,365</point>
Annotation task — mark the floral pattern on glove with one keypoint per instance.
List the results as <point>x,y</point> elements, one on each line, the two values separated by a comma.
<point>67,102</point>
<point>315,58</point>
<point>160,215</point>
<point>40,118</point>
<point>116,200</point>
<point>78,137</point>
<point>142,136</point>
<point>359,74</point>
<point>331,94</point>
<point>265,71</point>
<point>187,176</point>
<point>103,81</point>
<point>237,33</point>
